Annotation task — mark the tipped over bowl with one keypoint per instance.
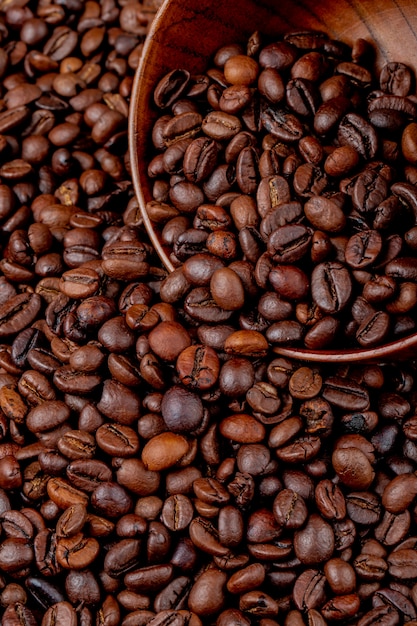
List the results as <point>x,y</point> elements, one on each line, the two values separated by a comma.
<point>185,36</point>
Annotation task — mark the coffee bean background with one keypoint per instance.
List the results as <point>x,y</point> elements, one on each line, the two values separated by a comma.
<point>158,463</point>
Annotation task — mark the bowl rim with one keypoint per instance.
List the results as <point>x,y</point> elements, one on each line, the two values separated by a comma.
<point>399,349</point>
<point>133,135</point>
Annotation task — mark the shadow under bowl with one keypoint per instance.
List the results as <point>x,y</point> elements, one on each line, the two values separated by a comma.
<point>186,33</point>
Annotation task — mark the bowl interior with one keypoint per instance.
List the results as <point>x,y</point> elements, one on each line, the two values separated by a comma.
<point>186,33</point>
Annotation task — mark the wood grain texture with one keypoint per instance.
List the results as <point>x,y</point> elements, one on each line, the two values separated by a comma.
<point>186,33</point>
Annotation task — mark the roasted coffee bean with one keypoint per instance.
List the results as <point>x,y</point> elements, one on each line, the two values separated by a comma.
<point>289,509</point>
<point>111,499</point>
<point>198,367</point>
<point>309,589</point>
<point>200,159</point>
<point>363,507</point>
<point>71,521</point>
<point>315,542</point>
<point>290,282</point>
<point>117,440</point>
<point>174,596</point>
<point>325,214</point>
<point>398,493</point>
<point>79,283</point>
<point>148,578</point>
<point>177,512</point>
<point>171,87</point>
<point>164,450</point>
<point>353,467</point>
<point>122,557</point>
<point>341,606</point>
<point>18,312</point>
<point>345,394</point>
<point>331,287</point>
<point>289,244</point>
<point>87,473</point>
<point>76,444</point>
<point>384,612</point>
<point>370,567</point>
<point>242,428</point>
<point>202,603</point>
<point>61,611</point>
<point>395,78</point>
<point>340,576</point>
<point>330,500</point>
<point>182,410</point>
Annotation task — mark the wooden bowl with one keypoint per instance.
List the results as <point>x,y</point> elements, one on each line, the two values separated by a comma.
<point>186,33</point>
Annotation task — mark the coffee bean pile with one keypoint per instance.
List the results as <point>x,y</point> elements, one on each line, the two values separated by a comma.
<point>284,191</point>
<point>157,467</point>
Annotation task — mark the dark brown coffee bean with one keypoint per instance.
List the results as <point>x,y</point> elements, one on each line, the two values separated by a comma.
<point>314,543</point>
<point>363,507</point>
<point>345,394</point>
<point>119,402</point>
<point>242,428</point>
<point>340,576</point>
<point>363,248</point>
<point>60,611</point>
<point>182,410</point>
<point>198,601</point>
<point>79,283</point>
<point>357,132</point>
<point>171,87</point>
<point>183,126</point>
<point>219,125</point>
<point>307,447</point>
<point>289,509</point>
<point>205,537</point>
<point>125,260</point>
<point>353,468</point>
<point>198,367</point>
<point>122,556</point>
<point>177,512</point>
<point>309,589</point>
<point>289,281</point>
<point>148,578</point>
<point>325,214</point>
<point>69,381</point>
<point>369,179</point>
<point>283,125</point>
<point>383,613</point>
<point>331,286</point>
<point>18,312</point>
<point>398,493</point>
<point>174,596</point>
<point>110,499</point>
<point>393,528</point>
<point>164,451</point>
<point>330,500</point>
<point>117,440</point>
<point>288,244</point>
<point>227,289</point>
<point>76,444</point>
<point>200,158</point>
<point>263,399</point>
<point>341,607</point>
<point>396,599</point>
